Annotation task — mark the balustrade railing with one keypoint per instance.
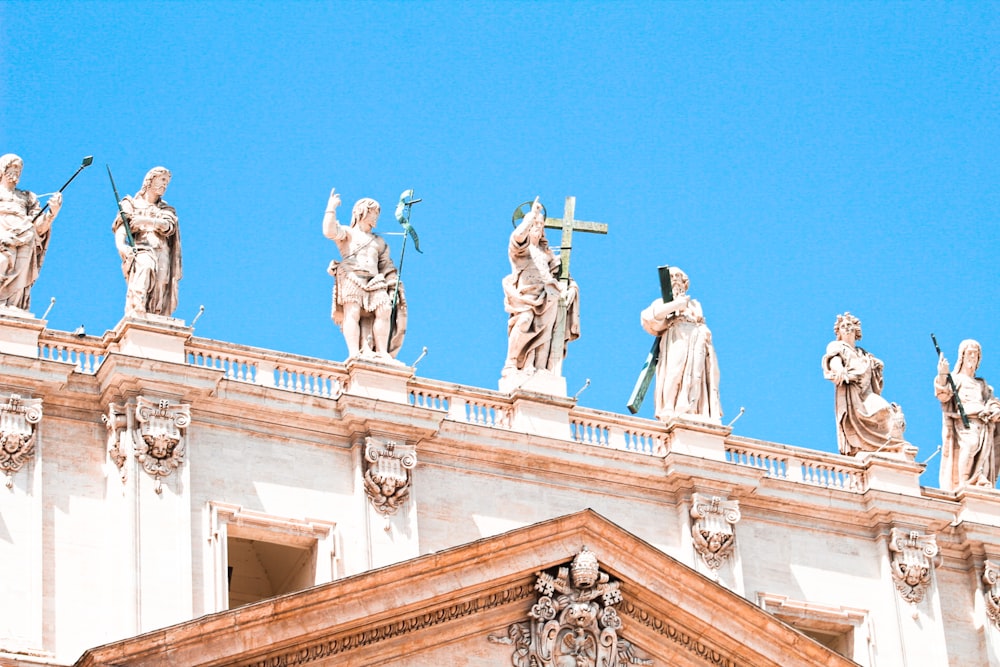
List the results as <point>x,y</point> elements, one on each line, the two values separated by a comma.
<point>470,405</point>
<point>304,375</point>
<point>84,352</point>
<point>604,429</point>
<point>797,465</point>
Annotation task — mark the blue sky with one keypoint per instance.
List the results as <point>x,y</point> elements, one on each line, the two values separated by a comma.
<point>796,159</point>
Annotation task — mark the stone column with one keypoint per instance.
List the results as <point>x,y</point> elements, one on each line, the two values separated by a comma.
<point>147,443</point>
<point>22,528</point>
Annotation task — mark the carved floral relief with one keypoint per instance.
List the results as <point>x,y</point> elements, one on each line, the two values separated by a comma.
<point>387,473</point>
<point>712,527</point>
<point>573,622</point>
<point>912,557</point>
<point>18,420</point>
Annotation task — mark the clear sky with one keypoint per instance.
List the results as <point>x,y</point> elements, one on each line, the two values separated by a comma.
<point>796,159</point>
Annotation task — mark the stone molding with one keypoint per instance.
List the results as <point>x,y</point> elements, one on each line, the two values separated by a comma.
<point>573,625</point>
<point>697,645</point>
<point>19,418</point>
<point>912,555</point>
<point>387,473</point>
<point>346,642</point>
<point>712,527</point>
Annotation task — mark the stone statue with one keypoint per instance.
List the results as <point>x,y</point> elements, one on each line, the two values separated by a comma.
<point>531,296</point>
<point>687,372</point>
<point>866,422</point>
<point>23,238</point>
<point>968,455</point>
<point>151,262</point>
<point>366,280</point>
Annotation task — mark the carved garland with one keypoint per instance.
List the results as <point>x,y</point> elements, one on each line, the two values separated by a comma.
<point>912,557</point>
<point>387,474</point>
<point>572,628</point>
<point>18,419</point>
<point>712,528</point>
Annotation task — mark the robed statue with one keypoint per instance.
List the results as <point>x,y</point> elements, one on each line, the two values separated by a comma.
<point>148,239</point>
<point>24,234</point>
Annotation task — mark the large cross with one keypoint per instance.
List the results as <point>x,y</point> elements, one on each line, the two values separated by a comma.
<point>568,225</point>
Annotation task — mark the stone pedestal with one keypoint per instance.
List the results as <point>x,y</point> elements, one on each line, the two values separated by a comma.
<point>19,332</point>
<point>541,414</point>
<point>380,381</point>
<point>703,439</point>
<point>892,473</point>
<point>151,337</point>
<point>539,382</point>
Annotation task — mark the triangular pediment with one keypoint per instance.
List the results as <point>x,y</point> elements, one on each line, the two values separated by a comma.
<point>443,608</point>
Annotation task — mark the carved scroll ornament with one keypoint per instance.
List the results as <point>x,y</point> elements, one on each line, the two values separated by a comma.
<point>991,577</point>
<point>18,419</point>
<point>912,557</point>
<point>158,434</point>
<point>712,528</point>
<point>387,473</point>
<point>573,621</point>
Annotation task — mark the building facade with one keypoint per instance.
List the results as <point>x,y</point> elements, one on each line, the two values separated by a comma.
<point>164,490</point>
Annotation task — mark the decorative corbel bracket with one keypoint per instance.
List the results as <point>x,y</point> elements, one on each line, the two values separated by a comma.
<point>387,473</point>
<point>19,418</point>
<point>573,621</point>
<point>712,524</point>
<point>158,433</point>
<point>912,556</point>
<point>116,421</point>
<point>991,577</point>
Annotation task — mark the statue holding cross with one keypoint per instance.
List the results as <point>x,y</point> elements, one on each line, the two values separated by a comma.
<point>541,299</point>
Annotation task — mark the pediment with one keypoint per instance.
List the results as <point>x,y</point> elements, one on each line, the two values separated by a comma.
<point>443,608</point>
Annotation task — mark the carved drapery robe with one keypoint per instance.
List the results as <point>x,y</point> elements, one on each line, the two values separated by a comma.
<point>687,373</point>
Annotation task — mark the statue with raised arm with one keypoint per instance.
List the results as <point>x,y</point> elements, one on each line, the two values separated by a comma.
<point>151,252</point>
<point>24,235</point>
<point>866,422</point>
<point>532,293</point>
<point>365,281</point>
<point>687,370</point>
<point>968,454</point>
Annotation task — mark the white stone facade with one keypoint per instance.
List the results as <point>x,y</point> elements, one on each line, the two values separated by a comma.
<point>263,470</point>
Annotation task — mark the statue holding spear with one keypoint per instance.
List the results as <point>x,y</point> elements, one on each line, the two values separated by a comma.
<point>25,227</point>
<point>369,303</point>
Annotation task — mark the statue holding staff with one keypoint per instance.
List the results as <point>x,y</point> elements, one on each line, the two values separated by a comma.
<point>24,234</point>
<point>968,452</point>
<point>148,238</point>
<point>687,370</point>
<point>366,281</point>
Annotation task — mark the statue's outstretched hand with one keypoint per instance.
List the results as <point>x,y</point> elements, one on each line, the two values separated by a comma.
<point>334,201</point>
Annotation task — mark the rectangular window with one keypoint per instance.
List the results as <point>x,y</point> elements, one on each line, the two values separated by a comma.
<point>258,556</point>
